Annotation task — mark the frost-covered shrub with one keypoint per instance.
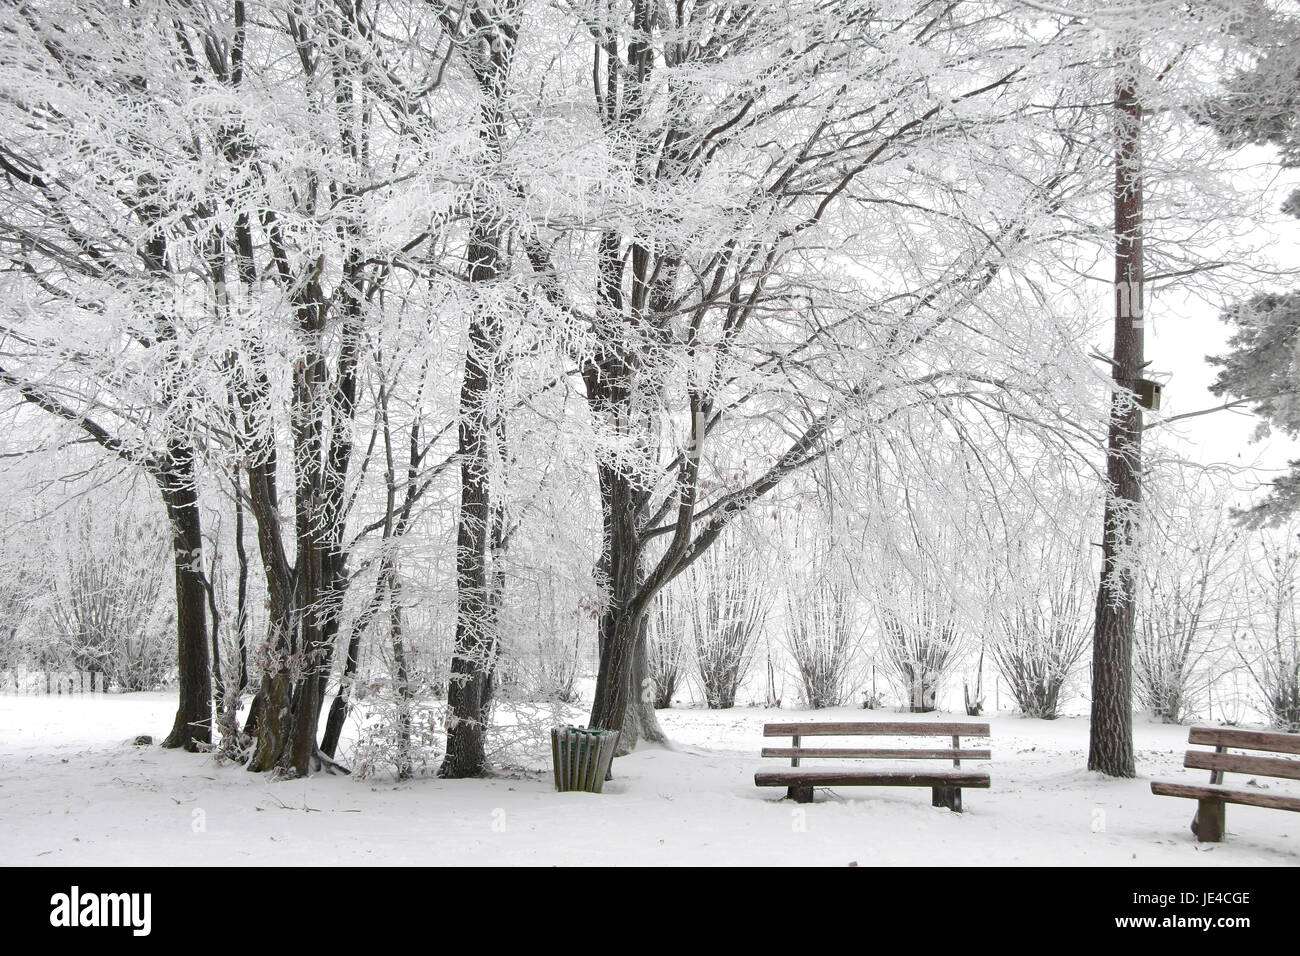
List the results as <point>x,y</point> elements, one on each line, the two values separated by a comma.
<point>727,614</point>
<point>820,638</point>
<point>20,590</point>
<point>1036,650</point>
<point>1184,605</point>
<point>108,605</point>
<point>666,660</point>
<point>546,668</point>
<point>399,732</point>
<point>1039,636</point>
<point>1164,662</point>
<point>920,632</point>
<point>1269,645</point>
<point>1040,606</point>
<point>920,649</point>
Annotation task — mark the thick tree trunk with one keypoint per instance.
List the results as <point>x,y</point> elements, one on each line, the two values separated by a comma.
<point>469,691</point>
<point>626,704</point>
<point>274,722</point>
<point>192,727</point>
<point>306,686</point>
<point>641,723</point>
<point>624,700</point>
<point>176,476</point>
<point>254,718</point>
<point>271,715</point>
<point>305,598</point>
<point>1111,734</point>
<point>614,693</point>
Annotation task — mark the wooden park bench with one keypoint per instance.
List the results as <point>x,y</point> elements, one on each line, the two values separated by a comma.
<point>1208,824</point>
<point>946,785</point>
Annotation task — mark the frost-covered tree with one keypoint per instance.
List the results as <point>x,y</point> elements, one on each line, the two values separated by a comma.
<point>1186,605</point>
<point>667,646</point>
<point>919,590</point>
<point>1260,102</point>
<point>1268,644</point>
<point>727,613</point>
<point>1041,616</point>
<point>1259,370</point>
<point>821,637</point>
<point>104,603</point>
<point>96,327</point>
<point>743,259</point>
<point>920,636</point>
<point>823,629</point>
<point>1260,105</point>
<point>198,240</point>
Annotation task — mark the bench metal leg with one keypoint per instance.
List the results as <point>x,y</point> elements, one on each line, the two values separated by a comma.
<point>949,797</point>
<point>800,794</point>
<point>1210,821</point>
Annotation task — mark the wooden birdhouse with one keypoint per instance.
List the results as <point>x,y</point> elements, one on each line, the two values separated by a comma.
<point>1149,394</point>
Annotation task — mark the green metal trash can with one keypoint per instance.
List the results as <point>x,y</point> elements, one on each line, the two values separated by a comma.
<point>582,757</point>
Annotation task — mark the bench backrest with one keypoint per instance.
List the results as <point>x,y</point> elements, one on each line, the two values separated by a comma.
<point>956,753</point>
<point>875,728</point>
<point>1219,761</point>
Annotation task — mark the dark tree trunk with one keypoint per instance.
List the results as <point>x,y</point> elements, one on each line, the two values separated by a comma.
<point>192,727</point>
<point>253,720</point>
<point>469,687</point>
<point>1111,734</point>
<point>338,713</point>
<point>334,480</point>
<point>214,615</point>
<point>241,594</point>
<point>274,722</point>
<point>175,473</point>
<point>496,578</point>
<point>623,701</point>
<point>467,690</point>
<point>401,678</point>
<point>640,722</point>
<point>270,716</point>
<point>627,703</point>
<point>623,627</point>
<point>305,597</point>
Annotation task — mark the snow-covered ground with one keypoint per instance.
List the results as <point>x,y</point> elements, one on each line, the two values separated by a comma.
<point>75,791</point>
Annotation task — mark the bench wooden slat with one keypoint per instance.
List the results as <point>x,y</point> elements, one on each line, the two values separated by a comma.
<point>1273,801</point>
<point>1245,739</point>
<point>1240,763</point>
<point>850,752</point>
<point>1209,824</point>
<point>876,729</point>
<point>796,777</point>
